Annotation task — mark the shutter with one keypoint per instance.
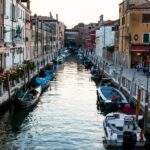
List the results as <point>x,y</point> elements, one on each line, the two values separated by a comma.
<point>1,8</point>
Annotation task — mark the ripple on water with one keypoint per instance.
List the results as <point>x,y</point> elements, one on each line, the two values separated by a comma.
<point>65,117</point>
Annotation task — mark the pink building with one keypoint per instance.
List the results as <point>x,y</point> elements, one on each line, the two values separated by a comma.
<point>2,49</point>
<point>90,35</point>
<point>28,30</point>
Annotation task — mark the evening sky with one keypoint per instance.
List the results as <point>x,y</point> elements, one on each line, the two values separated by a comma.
<point>72,12</point>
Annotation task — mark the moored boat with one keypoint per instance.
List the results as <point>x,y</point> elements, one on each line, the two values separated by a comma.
<point>110,98</point>
<point>122,131</point>
<point>43,82</point>
<point>27,99</point>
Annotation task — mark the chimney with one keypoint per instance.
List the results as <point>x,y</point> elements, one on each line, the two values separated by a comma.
<point>28,4</point>
<point>57,17</point>
<point>101,18</point>
<point>50,15</point>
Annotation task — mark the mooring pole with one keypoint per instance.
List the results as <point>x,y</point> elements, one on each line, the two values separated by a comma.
<point>138,104</point>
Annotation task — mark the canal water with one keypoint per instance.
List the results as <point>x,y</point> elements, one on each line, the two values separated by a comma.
<point>66,117</point>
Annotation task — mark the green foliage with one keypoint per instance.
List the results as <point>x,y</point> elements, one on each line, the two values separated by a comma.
<point>110,49</point>
<point>1,80</point>
<point>13,75</point>
<point>29,65</point>
<point>48,66</point>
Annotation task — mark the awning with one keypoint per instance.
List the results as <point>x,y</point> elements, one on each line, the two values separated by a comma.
<point>3,50</point>
<point>140,48</point>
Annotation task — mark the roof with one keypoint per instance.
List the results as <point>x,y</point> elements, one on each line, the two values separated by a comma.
<point>45,18</point>
<point>108,23</point>
<point>141,6</point>
<point>70,30</point>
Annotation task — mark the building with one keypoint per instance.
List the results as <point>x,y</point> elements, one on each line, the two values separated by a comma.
<point>14,32</point>
<point>71,38</point>
<point>61,35</point>
<point>90,36</point>
<point>134,31</point>
<point>105,39</point>
<point>55,25</point>
<point>2,49</point>
<point>1,23</point>
<point>47,35</point>
<point>81,36</point>
<point>27,29</point>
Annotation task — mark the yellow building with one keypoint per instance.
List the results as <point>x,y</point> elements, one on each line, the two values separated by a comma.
<point>134,31</point>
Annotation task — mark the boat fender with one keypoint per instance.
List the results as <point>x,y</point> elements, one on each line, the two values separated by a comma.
<point>141,136</point>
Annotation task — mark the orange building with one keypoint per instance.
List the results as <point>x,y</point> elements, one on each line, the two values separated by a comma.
<point>134,31</point>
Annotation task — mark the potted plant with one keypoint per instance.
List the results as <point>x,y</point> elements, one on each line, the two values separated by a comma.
<point>13,76</point>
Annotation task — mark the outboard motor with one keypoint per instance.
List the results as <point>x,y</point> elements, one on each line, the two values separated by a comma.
<point>129,140</point>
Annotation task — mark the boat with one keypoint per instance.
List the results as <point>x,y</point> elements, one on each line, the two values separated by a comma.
<point>43,79</point>
<point>110,98</point>
<point>43,82</point>
<point>121,130</point>
<point>88,64</point>
<point>51,72</point>
<point>28,99</point>
<point>60,60</point>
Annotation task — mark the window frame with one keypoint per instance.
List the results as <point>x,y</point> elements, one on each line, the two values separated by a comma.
<point>149,38</point>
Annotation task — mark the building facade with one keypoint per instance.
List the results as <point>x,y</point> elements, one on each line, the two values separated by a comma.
<point>81,36</point>
<point>105,39</point>
<point>61,35</point>
<point>14,32</point>
<point>134,31</point>
<point>2,49</point>
<point>71,38</point>
<point>27,29</point>
<point>90,36</point>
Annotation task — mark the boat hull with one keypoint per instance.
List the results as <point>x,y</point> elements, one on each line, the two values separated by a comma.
<point>20,104</point>
<point>119,132</point>
<point>106,104</point>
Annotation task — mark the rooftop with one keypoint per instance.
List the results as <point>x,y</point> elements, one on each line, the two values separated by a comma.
<point>141,6</point>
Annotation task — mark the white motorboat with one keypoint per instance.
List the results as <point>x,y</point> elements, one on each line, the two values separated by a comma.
<point>122,131</point>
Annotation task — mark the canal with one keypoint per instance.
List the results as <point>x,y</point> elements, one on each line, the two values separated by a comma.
<point>65,118</point>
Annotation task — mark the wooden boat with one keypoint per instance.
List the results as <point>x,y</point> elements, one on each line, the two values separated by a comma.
<point>51,72</point>
<point>28,99</point>
<point>110,98</point>
<point>122,130</point>
<point>43,82</point>
<point>44,79</point>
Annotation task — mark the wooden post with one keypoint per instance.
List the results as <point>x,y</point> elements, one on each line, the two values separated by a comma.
<point>132,86</point>
<point>120,79</point>
<point>146,113</point>
<point>138,104</point>
<point>1,88</point>
<point>8,86</point>
<point>146,104</point>
<point>24,77</point>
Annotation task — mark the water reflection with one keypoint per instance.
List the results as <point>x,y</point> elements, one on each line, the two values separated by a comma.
<point>66,116</point>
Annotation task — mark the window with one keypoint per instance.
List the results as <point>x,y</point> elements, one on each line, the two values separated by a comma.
<point>146,37</point>
<point>113,29</point>
<point>1,33</point>
<point>120,9</point>
<point>123,20</point>
<point>145,18</point>
<point>4,34</point>
<point>4,5</point>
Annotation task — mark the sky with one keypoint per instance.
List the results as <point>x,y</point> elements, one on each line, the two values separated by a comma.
<point>71,12</point>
